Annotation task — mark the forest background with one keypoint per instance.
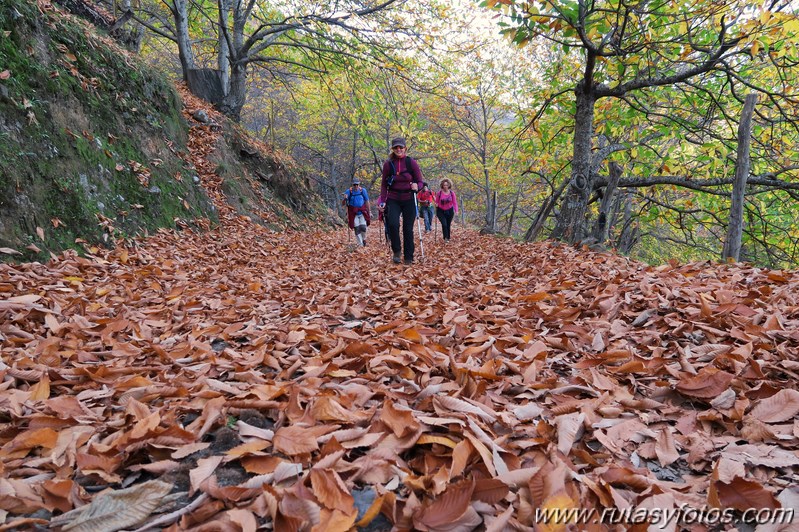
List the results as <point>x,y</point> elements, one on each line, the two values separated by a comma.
<point>661,129</point>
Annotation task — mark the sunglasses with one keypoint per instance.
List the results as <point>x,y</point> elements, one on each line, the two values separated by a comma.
<point>398,148</point>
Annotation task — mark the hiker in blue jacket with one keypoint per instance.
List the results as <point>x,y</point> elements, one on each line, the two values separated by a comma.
<point>358,217</point>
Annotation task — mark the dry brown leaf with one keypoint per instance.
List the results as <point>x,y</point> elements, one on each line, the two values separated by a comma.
<point>708,384</point>
<point>440,440</point>
<point>490,490</point>
<point>781,406</point>
<point>569,430</point>
<point>205,468</point>
<point>41,390</point>
<point>665,447</point>
<point>740,494</point>
<point>331,491</point>
<point>453,404</point>
<point>116,509</point>
<point>59,495</point>
<point>400,420</point>
<point>297,439</point>
<point>334,521</point>
<point>460,457</point>
<point>327,408</point>
<point>445,512</point>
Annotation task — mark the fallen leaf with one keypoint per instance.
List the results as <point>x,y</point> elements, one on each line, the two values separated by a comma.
<point>741,494</point>
<point>116,509</point>
<point>448,508</point>
<point>205,468</point>
<point>665,448</point>
<point>781,406</point>
<point>709,383</point>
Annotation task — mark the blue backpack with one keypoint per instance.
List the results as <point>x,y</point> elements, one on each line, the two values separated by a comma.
<point>351,194</point>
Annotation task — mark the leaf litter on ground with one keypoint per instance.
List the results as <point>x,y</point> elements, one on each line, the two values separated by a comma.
<point>287,381</point>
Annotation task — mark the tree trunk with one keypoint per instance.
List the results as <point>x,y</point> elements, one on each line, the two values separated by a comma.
<point>223,56</point>
<point>489,213</point>
<point>570,225</point>
<point>732,244</point>
<point>236,97</point>
<point>602,225</point>
<point>490,221</point>
<point>630,232</point>
<point>185,52</point>
<point>614,212</point>
<point>513,210</point>
<point>543,213</point>
<point>494,213</point>
<point>354,153</point>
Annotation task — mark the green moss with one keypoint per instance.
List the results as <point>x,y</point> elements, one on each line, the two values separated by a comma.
<point>74,110</point>
<point>77,115</point>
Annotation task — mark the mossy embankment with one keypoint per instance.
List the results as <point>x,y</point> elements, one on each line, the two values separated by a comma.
<point>93,144</point>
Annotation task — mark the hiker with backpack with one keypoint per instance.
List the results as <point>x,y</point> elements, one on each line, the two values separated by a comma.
<point>356,199</point>
<point>426,206</point>
<point>401,178</point>
<point>446,207</point>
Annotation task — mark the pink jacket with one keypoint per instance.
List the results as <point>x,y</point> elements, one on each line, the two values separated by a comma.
<point>448,201</point>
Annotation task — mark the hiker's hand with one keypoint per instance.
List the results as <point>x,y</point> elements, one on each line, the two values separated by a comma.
<point>381,207</point>
<point>414,187</point>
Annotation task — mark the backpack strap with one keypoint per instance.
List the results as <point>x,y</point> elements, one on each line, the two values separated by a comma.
<point>394,168</point>
<point>390,179</point>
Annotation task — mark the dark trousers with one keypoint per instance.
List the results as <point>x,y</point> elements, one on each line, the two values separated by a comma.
<point>445,217</point>
<point>406,208</point>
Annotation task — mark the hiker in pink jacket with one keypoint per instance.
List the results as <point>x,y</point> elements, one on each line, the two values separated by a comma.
<point>446,207</point>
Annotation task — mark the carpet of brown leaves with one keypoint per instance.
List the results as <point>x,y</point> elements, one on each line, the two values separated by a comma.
<point>241,378</point>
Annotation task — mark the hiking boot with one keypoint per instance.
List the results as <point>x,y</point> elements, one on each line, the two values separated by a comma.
<point>396,258</point>
<point>408,261</point>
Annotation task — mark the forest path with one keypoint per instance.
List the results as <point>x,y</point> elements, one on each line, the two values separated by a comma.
<point>468,388</point>
<point>293,379</point>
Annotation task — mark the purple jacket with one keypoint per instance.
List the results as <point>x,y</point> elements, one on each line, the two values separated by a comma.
<point>406,174</point>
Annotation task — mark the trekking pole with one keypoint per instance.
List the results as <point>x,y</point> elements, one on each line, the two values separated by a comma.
<point>419,227</point>
<point>386,238</point>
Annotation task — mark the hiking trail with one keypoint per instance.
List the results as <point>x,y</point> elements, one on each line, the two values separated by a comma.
<point>294,379</point>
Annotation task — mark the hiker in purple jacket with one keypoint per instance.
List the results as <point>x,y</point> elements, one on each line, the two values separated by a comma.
<point>401,179</point>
